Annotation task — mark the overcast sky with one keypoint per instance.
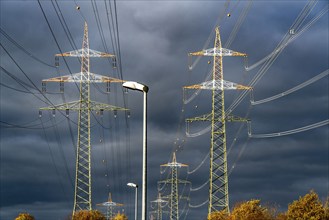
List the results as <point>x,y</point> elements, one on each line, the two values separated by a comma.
<point>37,155</point>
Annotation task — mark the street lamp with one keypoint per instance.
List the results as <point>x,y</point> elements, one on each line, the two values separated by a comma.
<point>142,88</point>
<point>136,196</point>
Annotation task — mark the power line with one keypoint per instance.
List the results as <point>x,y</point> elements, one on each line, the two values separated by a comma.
<point>293,131</point>
<point>294,89</point>
<point>22,48</point>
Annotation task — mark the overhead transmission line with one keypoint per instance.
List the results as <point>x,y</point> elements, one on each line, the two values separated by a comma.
<point>34,87</point>
<point>296,25</point>
<point>64,24</point>
<point>23,49</point>
<point>238,24</point>
<point>294,89</point>
<point>219,19</point>
<point>293,131</point>
<point>278,49</point>
<point>99,24</point>
<point>231,38</point>
<point>293,38</point>
<point>53,161</point>
<point>265,67</point>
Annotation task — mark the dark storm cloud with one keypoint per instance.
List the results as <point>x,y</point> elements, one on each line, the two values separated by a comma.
<point>155,38</point>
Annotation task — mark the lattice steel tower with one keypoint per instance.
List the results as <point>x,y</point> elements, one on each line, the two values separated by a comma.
<point>158,208</point>
<point>174,181</point>
<point>218,187</point>
<point>109,204</point>
<point>82,195</point>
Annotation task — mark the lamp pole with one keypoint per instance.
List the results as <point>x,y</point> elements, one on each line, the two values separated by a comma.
<point>142,88</point>
<point>136,196</point>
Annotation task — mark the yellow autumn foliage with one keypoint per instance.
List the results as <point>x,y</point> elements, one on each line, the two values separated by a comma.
<point>88,215</point>
<point>308,207</point>
<point>24,216</point>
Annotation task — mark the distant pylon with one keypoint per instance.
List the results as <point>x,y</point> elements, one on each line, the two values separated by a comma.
<point>82,195</point>
<point>218,187</point>
<point>109,207</point>
<point>158,208</point>
<point>174,181</point>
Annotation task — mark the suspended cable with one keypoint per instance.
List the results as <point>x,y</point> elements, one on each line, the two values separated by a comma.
<point>78,8</point>
<point>34,127</point>
<point>293,38</point>
<point>23,84</point>
<point>99,24</point>
<point>53,161</point>
<point>16,79</point>
<point>200,187</point>
<point>182,212</point>
<point>238,24</point>
<point>69,35</point>
<point>18,90</point>
<point>199,205</point>
<point>200,165</point>
<point>118,38</point>
<point>203,131</point>
<point>206,45</point>
<point>293,131</point>
<point>54,37</point>
<point>239,156</point>
<point>186,212</point>
<point>197,91</point>
<point>294,89</point>
<point>64,25</point>
<point>23,49</point>
<point>164,185</point>
<point>109,25</point>
<point>60,146</point>
<point>268,64</point>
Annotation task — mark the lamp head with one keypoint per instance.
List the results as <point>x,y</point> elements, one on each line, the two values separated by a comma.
<point>132,185</point>
<point>135,86</point>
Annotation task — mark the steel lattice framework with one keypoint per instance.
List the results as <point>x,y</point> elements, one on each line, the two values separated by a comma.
<point>82,195</point>
<point>174,181</point>
<point>218,187</point>
<point>109,207</point>
<point>159,211</point>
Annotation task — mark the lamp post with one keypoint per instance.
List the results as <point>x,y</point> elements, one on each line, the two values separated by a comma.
<point>142,88</point>
<point>133,185</point>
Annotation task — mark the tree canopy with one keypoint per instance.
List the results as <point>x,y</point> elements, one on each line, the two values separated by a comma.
<point>24,216</point>
<point>88,215</point>
<point>120,216</point>
<point>308,207</point>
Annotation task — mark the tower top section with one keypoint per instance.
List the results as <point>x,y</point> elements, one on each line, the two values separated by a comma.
<point>217,50</point>
<point>174,163</point>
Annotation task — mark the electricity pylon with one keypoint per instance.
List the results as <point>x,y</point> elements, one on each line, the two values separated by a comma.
<point>158,206</point>
<point>82,195</point>
<point>109,204</point>
<point>218,187</point>
<point>174,181</point>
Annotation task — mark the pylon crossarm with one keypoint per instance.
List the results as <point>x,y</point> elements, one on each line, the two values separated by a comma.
<point>218,85</point>
<point>233,118</point>
<point>184,197</point>
<point>83,77</point>
<point>217,52</point>
<point>159,201</point>
<point>110,204</point>
<point>96,106</point>
<point>183,181</point>
<point>75,106</point>
<point>86,52</point>
<point>205,117</point>
<point>165,181</point>
<point>174,164</point>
